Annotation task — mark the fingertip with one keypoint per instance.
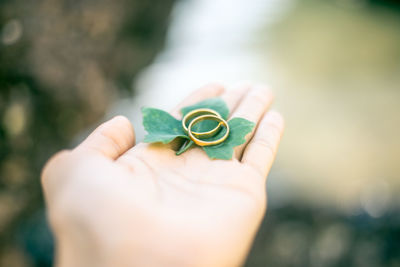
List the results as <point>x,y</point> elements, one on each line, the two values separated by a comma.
<point>124,124</point>
<point>208,91</point>
<point>112,138</point>
<point>264,90</point>
<point>215,87</point>
<point>120,118</point>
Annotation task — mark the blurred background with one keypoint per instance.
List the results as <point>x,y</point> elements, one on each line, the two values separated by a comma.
<point>334,65</point>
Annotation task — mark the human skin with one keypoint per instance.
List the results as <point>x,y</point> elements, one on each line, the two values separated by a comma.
<point>113,203</point>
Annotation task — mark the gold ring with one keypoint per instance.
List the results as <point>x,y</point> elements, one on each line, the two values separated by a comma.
<point>208,117</point>
<point>196,113</point>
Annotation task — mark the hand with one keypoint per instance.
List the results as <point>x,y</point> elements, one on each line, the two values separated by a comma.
<point>113,203</point>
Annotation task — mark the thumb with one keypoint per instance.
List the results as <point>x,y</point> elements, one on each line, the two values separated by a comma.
<point>111,139</point>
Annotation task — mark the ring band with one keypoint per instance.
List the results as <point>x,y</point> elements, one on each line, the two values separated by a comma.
<point>196,113</point>
<point>208,117</point>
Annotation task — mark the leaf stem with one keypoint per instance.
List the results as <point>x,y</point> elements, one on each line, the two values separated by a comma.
<point>188,144</point>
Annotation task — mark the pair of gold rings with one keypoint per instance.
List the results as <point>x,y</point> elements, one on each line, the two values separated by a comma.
<point>203,114</point>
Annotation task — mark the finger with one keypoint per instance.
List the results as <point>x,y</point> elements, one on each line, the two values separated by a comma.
<point>208,91</point>
<point>261,150</point>
<point>111,139</point>
<point>252,107</point>
<point>233,97</point>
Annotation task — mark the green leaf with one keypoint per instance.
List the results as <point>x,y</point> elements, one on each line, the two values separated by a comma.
<point>216,104</point>
<point>239,128</point>
<point>161,126</point>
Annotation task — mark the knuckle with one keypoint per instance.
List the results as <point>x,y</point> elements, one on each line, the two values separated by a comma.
<point>279,118</point>
<point>258,100</point>
<point>64,211</point>
<point>277,121</point>
<point>53,163</point>
<point>265,145</point>
<point>274,133</point>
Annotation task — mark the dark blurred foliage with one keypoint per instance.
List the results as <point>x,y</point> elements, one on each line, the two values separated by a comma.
<point>296,235</point>
<point>385,3</point>
<point>62,63</point>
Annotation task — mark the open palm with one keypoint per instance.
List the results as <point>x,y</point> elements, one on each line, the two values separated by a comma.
<point>141,205</point>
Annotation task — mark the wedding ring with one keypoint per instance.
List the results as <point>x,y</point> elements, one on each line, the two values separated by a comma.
<point>195,113</point>
<point>203,118</point>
